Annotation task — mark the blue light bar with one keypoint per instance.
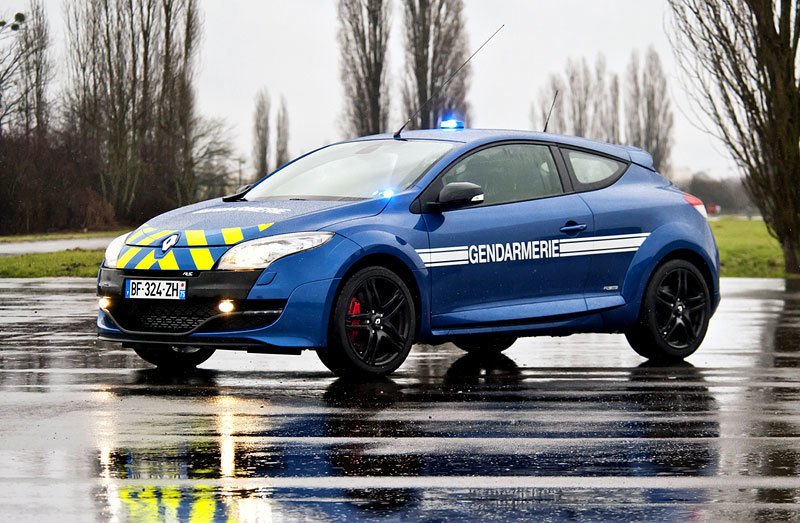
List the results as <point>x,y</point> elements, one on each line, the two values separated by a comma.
<point>451,124</point>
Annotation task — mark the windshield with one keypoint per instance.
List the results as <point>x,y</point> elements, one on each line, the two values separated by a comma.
<point>354,170</point>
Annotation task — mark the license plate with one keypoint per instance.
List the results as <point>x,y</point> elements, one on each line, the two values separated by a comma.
<point>155,289</point>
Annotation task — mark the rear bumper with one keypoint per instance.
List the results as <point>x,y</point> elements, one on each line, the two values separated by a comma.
<point>268,318</point>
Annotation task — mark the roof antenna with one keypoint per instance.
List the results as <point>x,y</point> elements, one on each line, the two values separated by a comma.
<point>550,112</point>
<point>397,134</point>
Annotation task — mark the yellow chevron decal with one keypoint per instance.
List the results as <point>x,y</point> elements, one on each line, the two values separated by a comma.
<point>194,238</point>
<point>263,226</point>
<point>137,234</point>
<point>153,237</point>
<point>232,235</point>
<point>168,262</point>
<point>147,261</point>
<point>202,259</point>
<point>129,254</point>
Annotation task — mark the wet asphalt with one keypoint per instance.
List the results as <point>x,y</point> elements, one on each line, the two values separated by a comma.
<point>556,428</point>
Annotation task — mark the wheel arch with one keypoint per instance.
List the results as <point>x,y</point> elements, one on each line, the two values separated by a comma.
<point>695,259</point>
<point>394,263</point>
<point>666,243</point>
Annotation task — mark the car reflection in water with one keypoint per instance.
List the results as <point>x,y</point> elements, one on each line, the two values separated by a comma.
<point>369,429</point>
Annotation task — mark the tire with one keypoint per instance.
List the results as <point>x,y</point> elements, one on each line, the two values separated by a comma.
<point>674,315</point>
<point>485,344</point>
<point>373,324</point>
<point>173,358</point>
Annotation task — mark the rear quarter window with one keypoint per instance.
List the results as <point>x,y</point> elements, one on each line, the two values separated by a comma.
<point>592,171</point>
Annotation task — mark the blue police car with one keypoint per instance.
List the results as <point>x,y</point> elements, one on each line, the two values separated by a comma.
<point>359,249</point>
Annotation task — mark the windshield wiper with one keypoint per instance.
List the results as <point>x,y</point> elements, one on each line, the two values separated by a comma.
<point>238,196</point>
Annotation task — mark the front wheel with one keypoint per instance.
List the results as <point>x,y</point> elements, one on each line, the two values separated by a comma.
<point>373,325</point>
<point>173,358</point>
<point>675,313</point>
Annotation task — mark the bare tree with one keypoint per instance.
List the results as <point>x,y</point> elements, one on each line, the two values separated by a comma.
<point>435,46</point>
<point>588,102</point>
<point>363,41</point>
<point>648,110</point>
<point>35,72</point>
<point>551,95</point>
<point>131,96</point>
<point>580,85</point>
<point>12,52</point>
<point>742,58</point>
<point>282,135</point>
<point>605,104</point>
<point>212,156</point>
<point>261,134</point>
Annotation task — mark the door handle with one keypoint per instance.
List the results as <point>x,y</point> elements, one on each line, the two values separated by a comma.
<point>572,228</point>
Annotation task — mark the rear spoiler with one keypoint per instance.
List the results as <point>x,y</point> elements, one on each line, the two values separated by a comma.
<point>640,157</point>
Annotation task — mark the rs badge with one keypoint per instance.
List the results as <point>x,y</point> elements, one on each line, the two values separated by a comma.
<point>169,242</point>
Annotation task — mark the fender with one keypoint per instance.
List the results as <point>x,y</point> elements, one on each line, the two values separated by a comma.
<point>662,241</point>
<point>382,242</point>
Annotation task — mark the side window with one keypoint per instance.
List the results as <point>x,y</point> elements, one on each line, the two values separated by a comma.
<point>593,171</point>
<point>509,173</point>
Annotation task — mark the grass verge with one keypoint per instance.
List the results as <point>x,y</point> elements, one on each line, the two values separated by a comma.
<point>75,262</point>
<point>65,235</point>
<point>746,250</point>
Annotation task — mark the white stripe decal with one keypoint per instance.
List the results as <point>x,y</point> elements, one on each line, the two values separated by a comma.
<point>443,249</point>
<point>614,237</point>
<point>531,250</point>
<point>624,243</point>
<point>447,264</point>
<point>588,253</point>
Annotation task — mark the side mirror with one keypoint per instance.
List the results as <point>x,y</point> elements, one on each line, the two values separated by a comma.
<point>457,194</point>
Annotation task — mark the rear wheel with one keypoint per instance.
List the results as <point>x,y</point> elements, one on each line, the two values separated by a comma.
<point>173,358</point>
<point>675,313</point>
<point>373,325</point>
<point>485,344</point>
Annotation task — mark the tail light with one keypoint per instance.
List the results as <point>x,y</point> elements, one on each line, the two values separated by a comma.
<point>697,203</point>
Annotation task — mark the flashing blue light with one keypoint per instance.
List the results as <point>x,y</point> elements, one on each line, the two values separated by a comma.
<point>386,193</point>
<point>452,123</point>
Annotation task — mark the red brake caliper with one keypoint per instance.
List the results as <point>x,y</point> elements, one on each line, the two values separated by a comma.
<point>354,308</point>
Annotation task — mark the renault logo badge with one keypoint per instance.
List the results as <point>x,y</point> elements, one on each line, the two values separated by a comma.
<point>169,242</point>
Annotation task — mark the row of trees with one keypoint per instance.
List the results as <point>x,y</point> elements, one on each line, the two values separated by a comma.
<point>595,103</point>
<point>435,44</point>
<point>126,140</point>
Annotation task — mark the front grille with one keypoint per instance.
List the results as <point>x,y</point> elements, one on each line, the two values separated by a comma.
<point>176,317</point>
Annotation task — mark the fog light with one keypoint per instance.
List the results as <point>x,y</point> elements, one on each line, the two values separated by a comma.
<point>104,303</point>
<point>225,306</point>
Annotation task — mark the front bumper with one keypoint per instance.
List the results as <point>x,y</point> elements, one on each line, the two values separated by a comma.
<point>267,318</point>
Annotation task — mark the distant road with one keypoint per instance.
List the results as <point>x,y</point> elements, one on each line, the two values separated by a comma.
<point>53,245</point>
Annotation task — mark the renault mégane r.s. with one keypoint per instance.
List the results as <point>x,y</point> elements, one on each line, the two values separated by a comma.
<point>359,249</point>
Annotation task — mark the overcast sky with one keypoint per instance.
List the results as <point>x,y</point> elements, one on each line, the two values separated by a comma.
<point>289,47</point>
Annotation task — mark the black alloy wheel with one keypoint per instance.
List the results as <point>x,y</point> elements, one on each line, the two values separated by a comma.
<point>675,313</point>
<point>373,325</point>
<point>681,305</point>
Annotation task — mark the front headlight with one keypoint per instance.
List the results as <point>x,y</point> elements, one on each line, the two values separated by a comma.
<point>112,251</point>
<point>258,254</point>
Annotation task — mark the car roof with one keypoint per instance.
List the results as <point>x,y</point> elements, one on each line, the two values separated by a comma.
<point>482,136</point>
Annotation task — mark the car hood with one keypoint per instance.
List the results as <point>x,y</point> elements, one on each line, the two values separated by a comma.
<point>217,223</point>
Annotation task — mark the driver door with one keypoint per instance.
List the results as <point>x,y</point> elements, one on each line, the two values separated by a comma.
<point>500,260</point>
